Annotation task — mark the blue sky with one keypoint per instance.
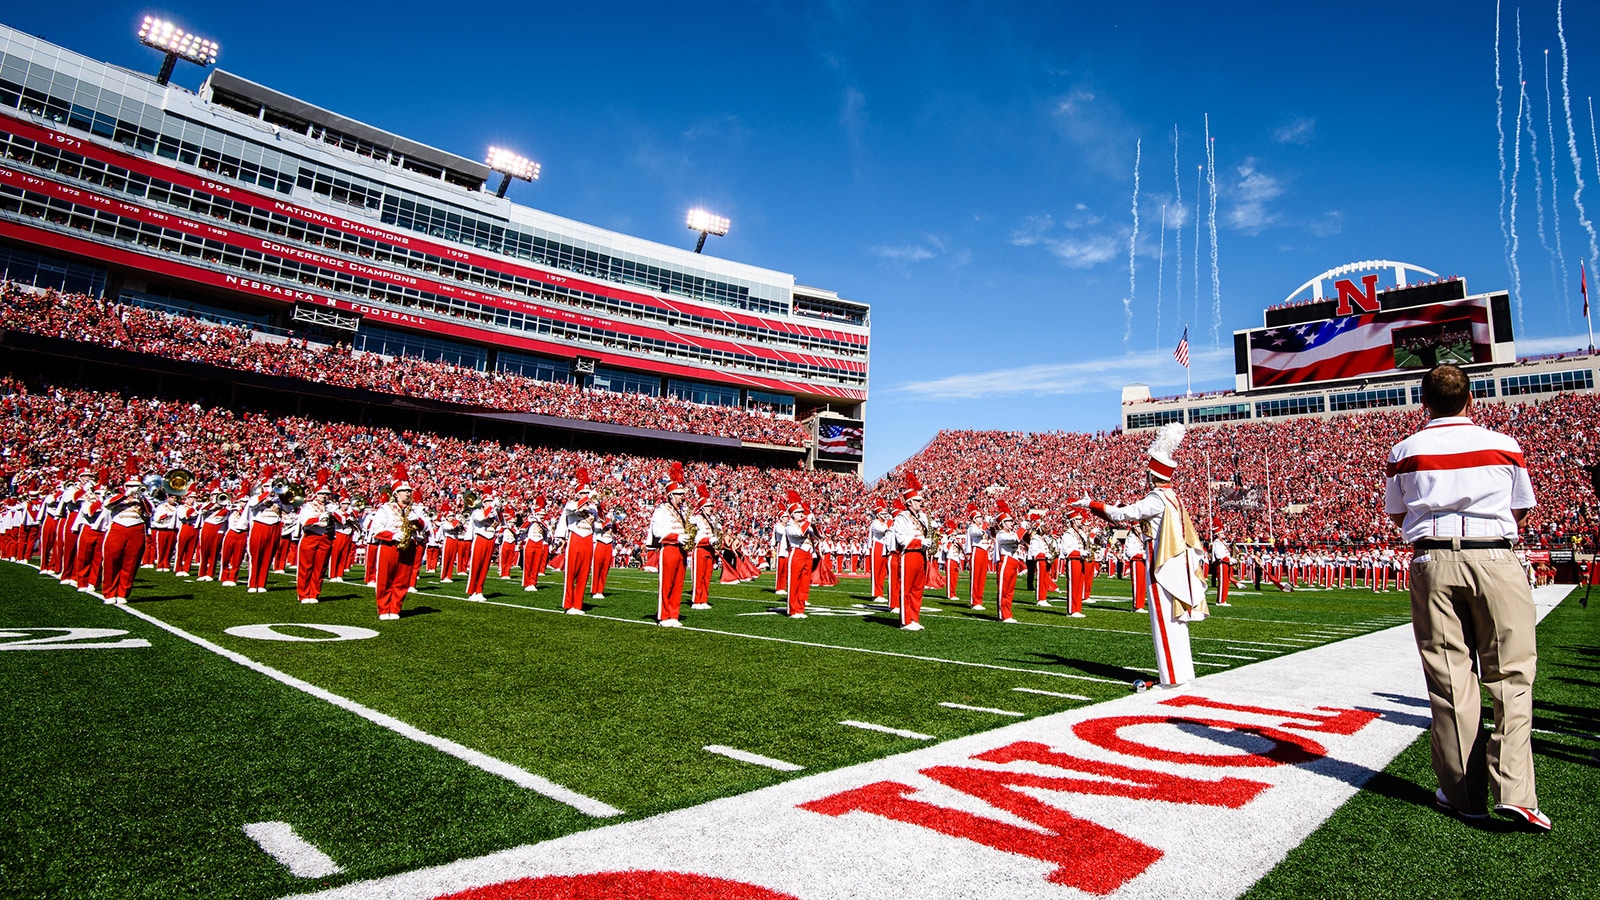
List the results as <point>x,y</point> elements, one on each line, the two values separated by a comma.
<point>969,169</point>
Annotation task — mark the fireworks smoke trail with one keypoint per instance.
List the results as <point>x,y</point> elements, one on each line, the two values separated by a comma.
<point>1533,161</point>
<point>1516,174</point>
<point>1133,246</point>
<point>1500,131</point>
<point>1560,261</point>
<point>1577,163</point>
<point>1199,173</point>
<point>1177,233</point>
<point>1211,213</point>
<point>1161,268</point>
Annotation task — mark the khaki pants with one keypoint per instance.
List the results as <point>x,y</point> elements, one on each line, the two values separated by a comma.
<point>1472,608</point>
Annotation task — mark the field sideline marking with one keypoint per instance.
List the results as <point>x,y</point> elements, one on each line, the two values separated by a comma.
<point>752,758</point>
<point>298,855</point>
<point>901,732</point>
<point>515,774</point>
<point>988,709</point>
<point>1027,690</point>
<point>779,640</point>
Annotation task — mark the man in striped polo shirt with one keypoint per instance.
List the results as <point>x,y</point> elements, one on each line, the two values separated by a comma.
<point>1458,493</point>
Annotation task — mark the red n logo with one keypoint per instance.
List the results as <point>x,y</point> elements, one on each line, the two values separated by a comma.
<point>1366,302</point>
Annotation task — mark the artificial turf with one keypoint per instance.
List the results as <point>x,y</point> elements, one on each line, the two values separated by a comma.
<point>1389,842</point>
<point>131,772</point>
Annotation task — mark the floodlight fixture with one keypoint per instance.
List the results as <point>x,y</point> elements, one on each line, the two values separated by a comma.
<point>177,44</point>
<point>511,165</point>
<point>706,223</point>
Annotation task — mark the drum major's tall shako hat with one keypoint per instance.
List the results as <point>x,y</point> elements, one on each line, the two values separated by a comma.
<point>399,481</point>
<point>913,489</point>
<point>675,483</point>
<point>581,479</point>
<point>703,495</point>
<point>1161,464</point>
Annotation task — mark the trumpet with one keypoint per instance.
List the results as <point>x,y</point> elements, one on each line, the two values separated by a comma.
<point>289,493</point>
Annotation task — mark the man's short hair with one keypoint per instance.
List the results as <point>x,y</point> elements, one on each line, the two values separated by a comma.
<point>1445,390</point>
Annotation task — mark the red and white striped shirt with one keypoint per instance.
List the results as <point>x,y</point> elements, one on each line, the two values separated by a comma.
<point>1457,479</point>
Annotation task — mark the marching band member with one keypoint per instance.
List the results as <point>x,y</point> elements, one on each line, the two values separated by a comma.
<point>510,539</point>
<point>266,529</point>
<point>951,547</point>
<point>575,533</point>
<point>1039,550</point>
<point>483,528</point>
<point>707,542</point>
<point>126,517</point>
<point>780,553</point>
<point>669,532</point>
<point>913,538</point>
<point>236,540</point>
<point>799,543</point>
<point>1133,548</point>
<point>67,535</point>
<point>1073,550</point>
<point>396,530</point>
<point>877,534</point>
<point>1011,546</point>
<point>605,548</point>
<point>456,538</point>
<point>188,515</point>
<point>978,545</point>
<point>91,534</point>
<point>1222,559</point>
<point>345,525</point>
<point>213,522</point>
<point>164,528</point>
<point>1177,592</point>
<point>50,529</point>
<point>317,520</point>
<point>283,554</point>
<point>535,551</point>
<point>369,575</point>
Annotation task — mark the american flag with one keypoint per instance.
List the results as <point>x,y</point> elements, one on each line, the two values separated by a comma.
<point>1350,346</point>
<point>839,439</point>
<point>1182,353</point>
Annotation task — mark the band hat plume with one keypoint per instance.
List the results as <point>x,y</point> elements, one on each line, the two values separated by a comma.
<point>1162,450</point>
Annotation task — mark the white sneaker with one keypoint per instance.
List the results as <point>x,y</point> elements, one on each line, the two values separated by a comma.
<point>505,577</point>
<point>953,599</point>
<point>699,606</point>
<point>912,626</point>
<point>69,582</point>
<point>783,593</point>
<point>109,601</point>
<point>122,601</point>
<point>86,589</point>
<point>204,578</point>
<point>230,584</point>
<point>447,581</point>
<point>1077,615</point>
<point>148,566</point>
<point>530,589</point>
<point>180,574</point>
<point>978,607</point>
<point>337,578</point>
<point>798,616</point>
<point>478,598</point>
<point>1044,602</point>
<point>409,590</point>
<point>597,596</point>
<point>1008,621</point>
<point>1224,604</point>
<point>671,623</point>
<point>309,600</point>
<point>574,612</point>
<point>46,572</point>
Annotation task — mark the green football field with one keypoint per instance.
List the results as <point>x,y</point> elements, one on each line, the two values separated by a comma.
<point>137,754</point>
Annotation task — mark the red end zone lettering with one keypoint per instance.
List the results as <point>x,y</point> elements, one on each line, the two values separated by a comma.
<point>1287,748</point>
<point>644,885</point>
<point>1342,721</point>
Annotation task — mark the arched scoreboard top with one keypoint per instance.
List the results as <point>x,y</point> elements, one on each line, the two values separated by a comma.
<point>1355,268</point>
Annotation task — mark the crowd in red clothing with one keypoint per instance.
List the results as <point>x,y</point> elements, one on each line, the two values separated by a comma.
<point>49,427</point>
<point>1324,477</point>
<point>82,318</point>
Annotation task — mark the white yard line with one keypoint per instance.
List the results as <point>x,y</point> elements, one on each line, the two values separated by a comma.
<point>1027,690</point>
<point>516,775</point>
<point>900,732</point>
<point>985,709</point>
<point>752,758</point>
<point>1225,656</point>
<point>298,855</point>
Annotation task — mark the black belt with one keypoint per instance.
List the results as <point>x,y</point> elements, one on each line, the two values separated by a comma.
<point>1463,543</point>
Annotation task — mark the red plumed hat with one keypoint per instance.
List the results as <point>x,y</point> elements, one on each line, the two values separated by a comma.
<point>675,479</point>
<point>102,476</point>
<point>398,480</point>
<point>130,471</point>
<point>913,488</point>
<point>322,481</point>
<point>703,493</point>
<point>899,506</point>
<point>1005,511</point>
<point>972,510</point>
<point>793,502</point>
<point>582,478</point>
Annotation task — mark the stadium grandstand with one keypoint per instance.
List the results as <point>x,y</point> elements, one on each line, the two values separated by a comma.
<point>285,223</point>
<point>1366,348</point>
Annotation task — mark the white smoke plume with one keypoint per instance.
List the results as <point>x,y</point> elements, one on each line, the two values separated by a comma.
<point>1177,233</point>
<point>1516,176</point>
<point>1133,247</point>
<point>1199,175</point>
<point>1500,132</point>
<point>1161,270</point>
<point>1560,260</point>
<point>1211,211</point>
<point>1572,149</point>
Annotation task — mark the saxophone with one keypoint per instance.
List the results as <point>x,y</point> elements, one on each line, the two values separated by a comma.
<point>408,531</point>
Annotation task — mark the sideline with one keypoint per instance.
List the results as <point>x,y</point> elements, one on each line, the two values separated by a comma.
<point>1262,754</point>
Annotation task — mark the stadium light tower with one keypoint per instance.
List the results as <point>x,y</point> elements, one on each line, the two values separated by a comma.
<point>175,43</point>
<point>511,165</point>
<point>706,223</point>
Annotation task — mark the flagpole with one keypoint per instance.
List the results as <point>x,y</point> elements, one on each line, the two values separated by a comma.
<point>1583,287</point>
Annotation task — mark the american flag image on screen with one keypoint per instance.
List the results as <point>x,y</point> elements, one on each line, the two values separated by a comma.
<point>1353,346</point>
<point>839,439</point>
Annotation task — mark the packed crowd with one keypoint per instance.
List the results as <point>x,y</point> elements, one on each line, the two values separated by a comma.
<point>49,427</point>
<point>1324,478</point>
<point>82,318</point>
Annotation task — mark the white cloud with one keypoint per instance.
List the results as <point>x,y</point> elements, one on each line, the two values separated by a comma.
<point>929,247</point>
<point>1299,130</point>
<point>1077,251</point>
<point>1154,367</point>
<point>1032,230</point>
<point>907,254</point>
<point>1085,252</point>
<point>1251,192</point>
<point>1540,346</point>
<point>1331,223</point>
